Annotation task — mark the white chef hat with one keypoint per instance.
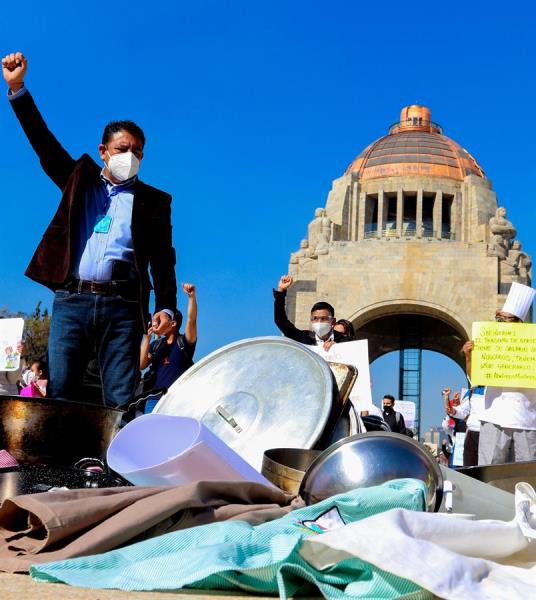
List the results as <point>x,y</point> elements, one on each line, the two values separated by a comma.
<point>519,300</point>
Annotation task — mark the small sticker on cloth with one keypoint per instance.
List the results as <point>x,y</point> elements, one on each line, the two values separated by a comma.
<point>103,224</point>
<point>327,521</point>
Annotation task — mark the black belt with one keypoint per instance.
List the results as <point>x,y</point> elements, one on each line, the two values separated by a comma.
<point>105,288</point>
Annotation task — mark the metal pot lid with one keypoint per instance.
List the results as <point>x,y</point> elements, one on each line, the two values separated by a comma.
<point>256,394</point>
<point>369,459</point>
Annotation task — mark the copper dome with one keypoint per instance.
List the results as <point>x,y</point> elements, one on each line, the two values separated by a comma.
<point>415,146</point>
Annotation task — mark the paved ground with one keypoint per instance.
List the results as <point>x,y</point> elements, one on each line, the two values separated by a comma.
<point>22,587</point>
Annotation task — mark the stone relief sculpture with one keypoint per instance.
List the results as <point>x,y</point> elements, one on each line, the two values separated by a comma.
<point>317,244</point>
<point>502,232</point>
<point>319,231</point>
<point>302,253</point>
<point>518,263</point>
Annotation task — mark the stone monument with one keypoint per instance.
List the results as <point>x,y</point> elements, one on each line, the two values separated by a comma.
<point>411,247</point>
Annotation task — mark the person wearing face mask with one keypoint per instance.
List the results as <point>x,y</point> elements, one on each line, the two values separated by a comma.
<point>35,380</point>
<point>345,327</point>
<point>508,420</point>
<point>394,419</point>
<point>322,320</point>
<point>109,228</point>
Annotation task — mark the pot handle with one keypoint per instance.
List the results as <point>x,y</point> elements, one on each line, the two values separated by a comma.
<point>91,464</point>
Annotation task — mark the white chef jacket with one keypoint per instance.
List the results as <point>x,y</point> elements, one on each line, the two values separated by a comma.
<point>471,408</point>
<point>513,408</point>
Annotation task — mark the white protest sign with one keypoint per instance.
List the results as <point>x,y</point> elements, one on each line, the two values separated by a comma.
<point>407,409</point>
<point>10,338</point>
<point>457,457</point>
<point>356,354</point>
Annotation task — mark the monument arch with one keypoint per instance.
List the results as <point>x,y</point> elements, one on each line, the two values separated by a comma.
<point>411,246</point>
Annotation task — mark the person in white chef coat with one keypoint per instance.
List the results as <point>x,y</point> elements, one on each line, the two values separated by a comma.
<point>508,430</point>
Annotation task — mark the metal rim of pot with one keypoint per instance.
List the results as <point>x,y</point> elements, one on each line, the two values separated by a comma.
<point>379,434</point>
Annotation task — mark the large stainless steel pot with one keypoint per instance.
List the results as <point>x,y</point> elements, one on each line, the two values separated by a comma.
<point>256,394</point>
<point>505,475</point>
<point>55,432</point>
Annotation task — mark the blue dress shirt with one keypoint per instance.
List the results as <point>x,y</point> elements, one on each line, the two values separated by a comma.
<point>105,232</point>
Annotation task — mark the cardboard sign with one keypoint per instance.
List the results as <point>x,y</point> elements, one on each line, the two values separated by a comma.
<point>408,410</point>
<point>10,338</point>
<point>356,354</point>
<point>504,355</point>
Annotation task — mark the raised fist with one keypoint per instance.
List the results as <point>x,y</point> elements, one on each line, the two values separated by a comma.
<point>14,69</point>
<point>189,288</point>
<point>285,282</point>
<point>467,348</point>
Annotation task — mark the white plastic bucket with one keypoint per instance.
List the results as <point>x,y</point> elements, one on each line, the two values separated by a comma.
<point>157,450</point>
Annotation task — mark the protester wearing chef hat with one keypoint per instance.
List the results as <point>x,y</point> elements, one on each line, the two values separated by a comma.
<point>508,431</point>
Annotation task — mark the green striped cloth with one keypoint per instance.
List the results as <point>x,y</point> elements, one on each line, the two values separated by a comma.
<point>234,555</point>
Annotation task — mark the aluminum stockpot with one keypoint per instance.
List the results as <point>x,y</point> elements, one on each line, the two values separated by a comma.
<point>256,394</point>
<point>55,432</point>
<point>285,467</point>
<point>369,459</point>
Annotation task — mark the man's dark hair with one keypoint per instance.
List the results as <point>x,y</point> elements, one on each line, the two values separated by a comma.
<point>389,397</point>
<point>114,126</point>
<point>177,316</point>
<point>323,306</point>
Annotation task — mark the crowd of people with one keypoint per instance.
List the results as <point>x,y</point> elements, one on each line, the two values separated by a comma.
<point>499,423</point>
<point>110,230</point>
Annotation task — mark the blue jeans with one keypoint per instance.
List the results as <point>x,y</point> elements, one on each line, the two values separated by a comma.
<point>82,323</point>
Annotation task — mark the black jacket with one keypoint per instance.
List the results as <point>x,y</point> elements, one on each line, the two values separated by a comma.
<point>52,262</point>
<point>395,420</point>
<point>288,329</point>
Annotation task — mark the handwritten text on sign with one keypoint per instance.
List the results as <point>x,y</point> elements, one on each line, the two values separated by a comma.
<point>504,354</point>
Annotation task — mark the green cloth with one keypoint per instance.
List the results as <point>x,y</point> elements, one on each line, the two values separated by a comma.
<point>234,555</point>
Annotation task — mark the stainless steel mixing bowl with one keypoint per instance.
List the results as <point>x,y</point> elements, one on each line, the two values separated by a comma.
<point>368,459</point>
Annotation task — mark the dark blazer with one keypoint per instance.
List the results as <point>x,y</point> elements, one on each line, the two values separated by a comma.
<point>52,262</point>
<point>289,330</point>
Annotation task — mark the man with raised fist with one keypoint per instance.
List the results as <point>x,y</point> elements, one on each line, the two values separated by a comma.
<point>109,228</point>
<point>322,320</point>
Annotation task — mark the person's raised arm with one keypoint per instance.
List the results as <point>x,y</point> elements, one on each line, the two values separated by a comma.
<point>467,349</point>
<point>145,356</point>
<point>190,329</point>
<point>280,315</point>
<point>446,399</point>
<point>57,163</point>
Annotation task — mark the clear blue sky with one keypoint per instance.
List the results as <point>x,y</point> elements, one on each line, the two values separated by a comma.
<point>251,110</point>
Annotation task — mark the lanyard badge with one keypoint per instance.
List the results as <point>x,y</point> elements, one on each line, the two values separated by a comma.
<point>103,224</point>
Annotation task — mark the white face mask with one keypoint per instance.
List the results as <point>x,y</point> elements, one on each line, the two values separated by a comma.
<point>322,329</point>
<point>123,166</point>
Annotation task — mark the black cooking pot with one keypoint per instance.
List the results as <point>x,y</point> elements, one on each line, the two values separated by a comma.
<point>32,479</point>
<point>55,432</point>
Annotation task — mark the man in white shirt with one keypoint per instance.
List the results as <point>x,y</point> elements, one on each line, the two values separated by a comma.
<point>470,410</point>
<point>508,431</point>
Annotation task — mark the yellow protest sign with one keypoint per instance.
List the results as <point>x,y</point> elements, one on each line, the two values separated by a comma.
<point>504,354</point>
